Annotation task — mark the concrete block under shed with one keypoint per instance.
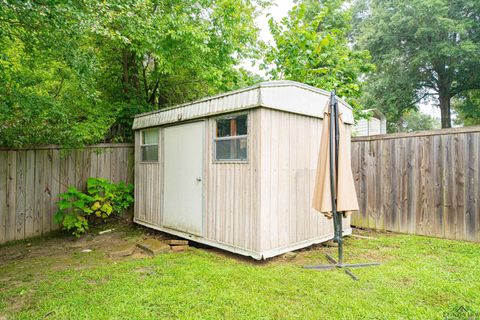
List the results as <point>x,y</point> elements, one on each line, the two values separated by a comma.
<point>175,242</point>
<point>179,248</point>
<point>153,246</point>
<point>122,251</point>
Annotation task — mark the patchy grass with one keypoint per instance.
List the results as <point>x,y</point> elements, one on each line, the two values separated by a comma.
<point>420,278</point>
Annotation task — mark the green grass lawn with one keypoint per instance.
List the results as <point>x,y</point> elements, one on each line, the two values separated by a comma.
<point>420,278</point>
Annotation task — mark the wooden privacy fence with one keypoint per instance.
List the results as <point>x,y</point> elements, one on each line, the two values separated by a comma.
<point>425,183</point>
<point>31,179</point>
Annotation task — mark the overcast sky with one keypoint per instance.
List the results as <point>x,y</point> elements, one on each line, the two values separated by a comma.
<point>279,10</point>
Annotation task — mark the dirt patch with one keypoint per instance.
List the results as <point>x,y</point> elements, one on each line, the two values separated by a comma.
<point>371,233</point>
<point>27,262</point>
<point>63,247</point>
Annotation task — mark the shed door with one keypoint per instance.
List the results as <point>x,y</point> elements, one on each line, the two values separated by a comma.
<point>183,182</point>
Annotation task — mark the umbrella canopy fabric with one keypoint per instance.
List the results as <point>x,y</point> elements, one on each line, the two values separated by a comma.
<point>345,188</point>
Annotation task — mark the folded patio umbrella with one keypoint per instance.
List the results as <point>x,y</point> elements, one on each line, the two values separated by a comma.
<point>334,193</point>
<point>345,188</point>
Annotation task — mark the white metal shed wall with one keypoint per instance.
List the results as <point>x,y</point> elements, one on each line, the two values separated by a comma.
<point>368,127</point>
<point>232,192</point>
<point>261,207</point>
<point>232,197</point>
<point>289,153</point>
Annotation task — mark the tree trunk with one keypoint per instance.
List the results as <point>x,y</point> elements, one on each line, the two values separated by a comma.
<point>162,100</point>
<point>444,97</point>
<point>444,85</point>
<point>125,63</point>
<point>135,77</point>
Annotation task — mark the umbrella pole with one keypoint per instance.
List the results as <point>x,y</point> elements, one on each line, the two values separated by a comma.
<point>334,141</point>
<point>333,151</point>
<point>337,216</point>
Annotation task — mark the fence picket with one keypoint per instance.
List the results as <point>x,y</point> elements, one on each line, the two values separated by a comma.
<point>430,178</point>
<point>31,179</point>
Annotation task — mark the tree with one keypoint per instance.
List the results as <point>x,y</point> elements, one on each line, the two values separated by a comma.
<point>76,72</point>
<point>311,46</point>
<point>48,88</point>
<point>467,108</point>
<point>414,121</point>
<point>421,48</point>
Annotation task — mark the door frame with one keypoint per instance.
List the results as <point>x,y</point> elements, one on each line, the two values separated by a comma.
<point>204,173</point>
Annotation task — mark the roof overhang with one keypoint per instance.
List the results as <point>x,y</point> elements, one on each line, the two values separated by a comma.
<point>287,96</point>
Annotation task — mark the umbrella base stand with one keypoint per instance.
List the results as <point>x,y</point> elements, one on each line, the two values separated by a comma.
<point>333,149</point>
<point>344,266</point>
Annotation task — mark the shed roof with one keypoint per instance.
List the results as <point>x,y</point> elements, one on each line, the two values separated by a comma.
<point>287,96</point>
<point>375,113</point>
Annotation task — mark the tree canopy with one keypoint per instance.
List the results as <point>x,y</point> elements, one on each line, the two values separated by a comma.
<point>75,72</point>
<point>467,108</point>
<point>414,120</point>
<point>312,46</point>
<point>421,48</point>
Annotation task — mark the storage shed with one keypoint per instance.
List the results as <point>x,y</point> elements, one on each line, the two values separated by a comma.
<point>376,123</point>
<point>236,171</point>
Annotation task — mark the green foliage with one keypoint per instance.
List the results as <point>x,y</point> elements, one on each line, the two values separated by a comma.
<point>421,48</point>
<point>48,88</point>
<point>73,209</point>
<point>102,199</point>
<point>467,108</point>
<point>109,197</point>
<point>414,121</point>
<point>311,46</point>
<point>75,72</point>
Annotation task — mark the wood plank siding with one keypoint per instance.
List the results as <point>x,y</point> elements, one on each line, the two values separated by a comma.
<point>425,183</point>
<point>31,179</point>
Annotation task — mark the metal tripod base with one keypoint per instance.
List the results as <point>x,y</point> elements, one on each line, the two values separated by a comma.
<point>344,266</point>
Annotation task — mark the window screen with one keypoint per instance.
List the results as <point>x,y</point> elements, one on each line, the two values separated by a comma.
<point>149,145</point>
<point>231,138</point>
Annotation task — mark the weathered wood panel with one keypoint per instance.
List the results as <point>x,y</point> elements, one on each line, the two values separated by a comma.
<point>31,179</point>
<point>20,196</point>
<point>11,196</point>
<point>29,193</point>
<point>429,185</point>
<point>39,174</point>
<point>3,194</point>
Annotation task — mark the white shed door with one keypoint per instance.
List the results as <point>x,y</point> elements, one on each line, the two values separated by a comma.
<point>183,180</point>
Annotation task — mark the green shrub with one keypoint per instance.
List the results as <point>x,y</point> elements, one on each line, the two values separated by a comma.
<point>103,198</point>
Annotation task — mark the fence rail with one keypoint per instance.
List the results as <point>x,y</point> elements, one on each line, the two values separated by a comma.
<point>425,183</point>
<point>31,179</point>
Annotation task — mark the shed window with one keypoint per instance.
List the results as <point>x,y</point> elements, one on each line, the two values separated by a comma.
<point>231,138</point>
<point>149,145</point>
